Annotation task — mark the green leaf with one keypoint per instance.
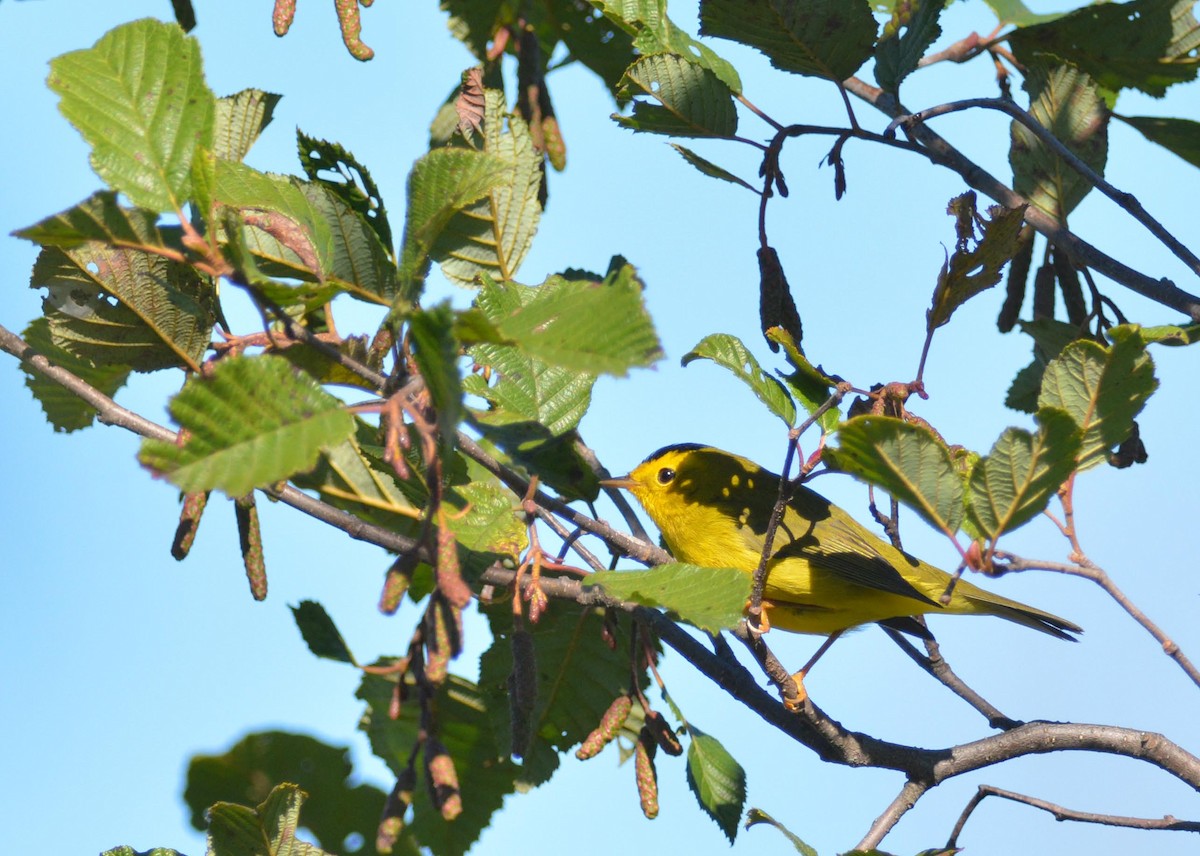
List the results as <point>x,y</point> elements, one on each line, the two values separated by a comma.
<point>821,38</point>
<point>494,234</point>
<point>1049,337</point>
<point>578,676</point>
<point>597,42</point>
<point>1103,389</point>
<point>711,169</point>
<point>487,526</point>
<point>709,598</point>
<point>1179,136</point>
<point>692,101</point>
<point>139,99</point>
<point>440,184</point>
<point>253,422</point>
<point>717,780</point>
<point>905,38</point>
<point>485,774</point>
<point>1020,475</point>
<point>126,850</point>
<point>1016,12</point>
<point>113,306</point>
<point>905,460</point>
<point>98,218</point>
<point>333,167</point>
<point>1147,44</point>
<point>65,410</point>
<point>246,773</point>
<point>728,352</point>
<point>475,22</point>
<point>239,121</point>
<point>1165,334</point>
<point>1067,103</point>
<point>269,830</point>
<point>807,383</point>
<point>655,33</point>
<point>529,393</point>
<point>436,354</point>
<point>756,816</point>
<point>320,633</point>
<point>357,259</point>
<point>970,270</point>
<point>576,323</point>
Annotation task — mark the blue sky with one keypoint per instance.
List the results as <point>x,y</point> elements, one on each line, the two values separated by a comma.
<point>118,663</point>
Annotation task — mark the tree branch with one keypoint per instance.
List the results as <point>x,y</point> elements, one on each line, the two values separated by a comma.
<point>940,152</point>
<point>905,800</point>
<point>1060,813</point>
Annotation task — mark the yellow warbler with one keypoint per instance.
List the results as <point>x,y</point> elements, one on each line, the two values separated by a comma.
<point>827,572</point>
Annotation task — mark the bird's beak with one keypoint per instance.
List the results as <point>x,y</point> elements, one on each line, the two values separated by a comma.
<point>622,483</point>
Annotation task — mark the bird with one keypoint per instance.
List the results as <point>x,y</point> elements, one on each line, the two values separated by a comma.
<point>826,573</point>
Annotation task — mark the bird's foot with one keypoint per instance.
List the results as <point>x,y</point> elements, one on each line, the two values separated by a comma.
<point>795,704</point>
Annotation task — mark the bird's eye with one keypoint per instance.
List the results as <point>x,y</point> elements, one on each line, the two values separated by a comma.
<point>666,475</point>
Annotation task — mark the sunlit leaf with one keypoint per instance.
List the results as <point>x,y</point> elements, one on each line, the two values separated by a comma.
<point>728,352</point>
<point>717,780</point>
<point>337,169</point>
<point>680,98</point>
<point>65,410</point>
<point>709,598</point>
<point>268,830</point>
<point>240,120</point>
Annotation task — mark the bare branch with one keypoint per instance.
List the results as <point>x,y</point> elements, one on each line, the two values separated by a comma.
<point>905,800</point>
<point>1127,201</point>
<point>939,151</point>
<point>1060,813</point>
<point>1090,571</point>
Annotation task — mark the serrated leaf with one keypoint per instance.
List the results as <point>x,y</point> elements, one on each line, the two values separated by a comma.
<point>808,384</point>
<point>113,306</point>
<point>728,352</point>
<point>126,850</point>
<point>691,100</point>
<point>905,460</point>
<point>905,38</point>
<point>239,121</point>
<point>357,259</point>
<point>1021,473</point>
<point>655,33</point>
<point>596,41</point>
<point>717,780</point>
<point>139,99</point>
<point>333,167</point>
<point>1147,44</point>
<point>709,168</point>
<point>1178,136</point>
<point>485,774</point>
<point>578,676</point>
<point>487,525</point>
<point>440,184</point>
<point>246,772</point>
<point>529,393</point>
<point>1102,389</point>
<point>971,270</point>
<point>709,598</point>
<point>494,234</point>
<point>1066,102</point>
<point>1049,337</point>
<point>268,830</point>
<point>756,816</point>
<point>65,410</point>
<point>821,38</point>
<point>320,633</point>
<point>1165,334</point>
<point>98,218</point>
<point>255,421</point>
<point>576,323</point>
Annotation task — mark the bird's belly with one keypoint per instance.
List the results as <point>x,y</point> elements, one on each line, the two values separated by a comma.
<point>822,604</point>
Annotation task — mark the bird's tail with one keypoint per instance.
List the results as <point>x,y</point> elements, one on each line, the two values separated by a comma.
<point>1046,622</point>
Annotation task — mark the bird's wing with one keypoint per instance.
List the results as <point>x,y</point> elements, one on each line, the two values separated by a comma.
<point>847,553</point>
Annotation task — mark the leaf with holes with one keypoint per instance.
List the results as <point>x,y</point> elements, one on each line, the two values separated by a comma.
<point>905,38</point>
<point>255,421</point>
<point>905,460</point>
<point>691,100</point>
<point>139,99</point>
<point>709,598</point>
<point>330,165</point>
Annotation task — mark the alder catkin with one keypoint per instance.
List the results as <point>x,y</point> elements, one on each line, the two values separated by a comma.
<point>442,779</point>
<point>647,778</point>
<point>189,522</point>
<point>522,690</point>
<point>609,727</point>
<point>664,735</point>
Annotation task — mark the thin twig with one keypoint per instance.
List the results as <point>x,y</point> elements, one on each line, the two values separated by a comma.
<point>905,800</point>
<point>1126,201</point>
<point>940,152</point>
<point>1090,571</point>
<point>1060,813</point>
